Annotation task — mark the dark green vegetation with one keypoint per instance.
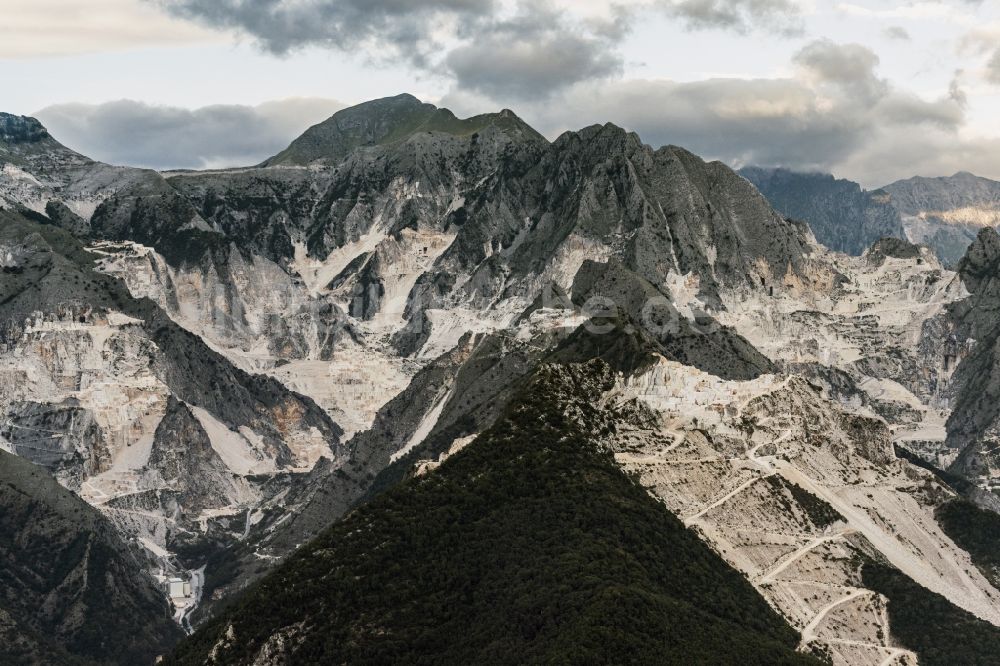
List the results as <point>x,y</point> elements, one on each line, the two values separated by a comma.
<point>925,622</point>
<point>71,592</point>
<point>528,546</point>
<point>975,530</point>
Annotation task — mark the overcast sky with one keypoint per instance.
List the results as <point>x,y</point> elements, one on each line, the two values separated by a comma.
<point>872,90</point>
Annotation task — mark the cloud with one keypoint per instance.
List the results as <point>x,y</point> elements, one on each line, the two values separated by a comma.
<point>535,53</point>
<point>516,49</point>
<point>418,30</point>
<point>915,10</point>
<point>404,28</point>
<point>782,16</point>
<point>894,153</point>
<point>834,114</point>
<point>165,137</point>
<point>527,49</point>
<point>33,28</point>
<point>982,42</point>
<point>848,66</point>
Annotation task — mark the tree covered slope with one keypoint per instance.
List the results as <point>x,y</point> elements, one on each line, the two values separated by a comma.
<point>528,546</point>
<point>71,591</point>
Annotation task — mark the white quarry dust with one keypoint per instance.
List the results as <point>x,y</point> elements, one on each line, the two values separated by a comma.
<point>927,439</point>
<point>154,547</point>
<point>410,257</point>
<point>78,183</point>
<point>104,364</point>
<point>878,307</point>
<point>352,386</point>
<point>318,274</point>
<point>98,363</point>
<point>548,319</point>
<point>899,295</point>
<point>424,466</point>
<point>569,257</point>
<point>887,389</point>
<point>237,451</point>
<point>707,469</point>
<point>426,425</point>
<point>448,327</point>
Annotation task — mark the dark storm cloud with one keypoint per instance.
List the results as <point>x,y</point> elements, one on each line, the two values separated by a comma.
<point>163,137</point>
<point>782,16</point>
<point>534,51</point>
<point>404,26</point>
<point>534,54</point>
<point>779,122</point>
<point>522,50</point>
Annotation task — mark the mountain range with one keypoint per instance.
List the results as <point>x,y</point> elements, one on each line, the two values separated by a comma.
<point>944,214</point>
<point>440,390</point>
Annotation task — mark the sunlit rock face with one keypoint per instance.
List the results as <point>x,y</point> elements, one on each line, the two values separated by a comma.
<point>171,441</point>
<point>791,488</point>
<point>947,213</point>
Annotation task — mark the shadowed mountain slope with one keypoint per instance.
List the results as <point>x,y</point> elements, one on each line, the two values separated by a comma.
<point>843,216</point>
<point>71,590</point>
<point>526,547</point>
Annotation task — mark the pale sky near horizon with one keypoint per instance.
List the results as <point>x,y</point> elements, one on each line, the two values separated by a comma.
<point>872,90</point>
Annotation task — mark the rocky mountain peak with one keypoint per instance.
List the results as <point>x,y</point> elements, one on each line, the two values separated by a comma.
<point>842,215</point>
<point>25,142</point>
<point>946,212</point>
<point>982,260</point>
<point>387,121</point>
<point>21,129</point>
<point>896,248</point>
<point>599,138</point>
<point>930,196</point>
